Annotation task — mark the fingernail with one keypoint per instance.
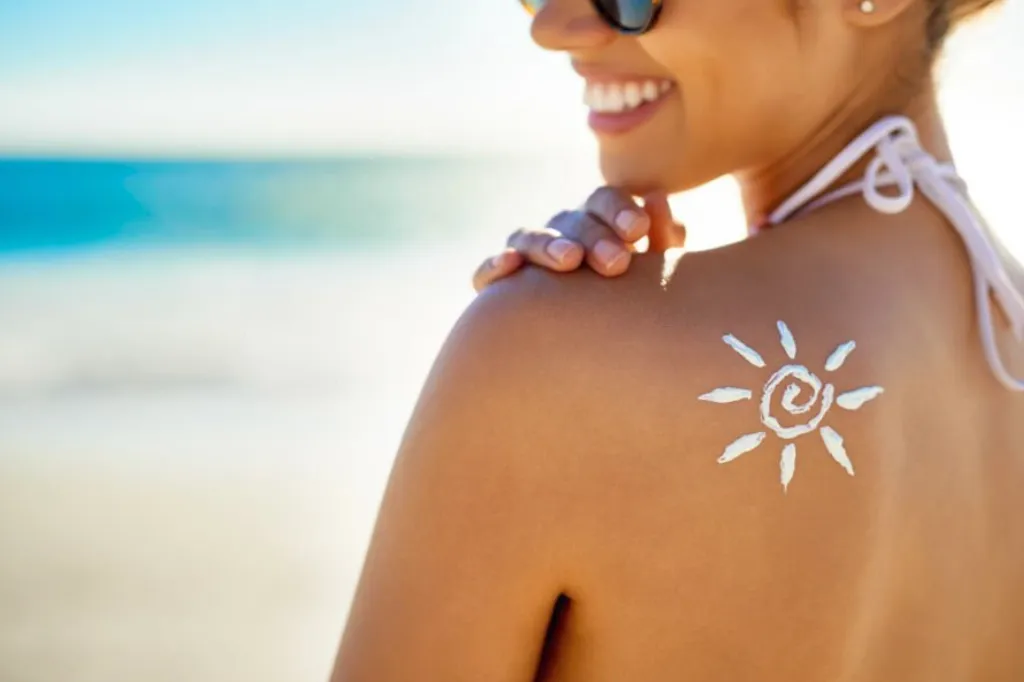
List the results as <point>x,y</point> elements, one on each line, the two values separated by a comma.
<point>627,222</point>
<point>608,253</point>
<point>497,261</point>
<point>560,249</point>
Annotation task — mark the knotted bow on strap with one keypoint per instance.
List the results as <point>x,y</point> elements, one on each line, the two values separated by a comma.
<point>901,163</point>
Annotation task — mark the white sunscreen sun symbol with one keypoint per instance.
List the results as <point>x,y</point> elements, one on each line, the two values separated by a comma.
<point>796,378</point>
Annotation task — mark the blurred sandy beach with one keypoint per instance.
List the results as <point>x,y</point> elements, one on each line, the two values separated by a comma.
<point>108,578</point>
<point>191,455</point>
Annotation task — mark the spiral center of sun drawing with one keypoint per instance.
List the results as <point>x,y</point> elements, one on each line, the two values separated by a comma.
<point>794,402</point>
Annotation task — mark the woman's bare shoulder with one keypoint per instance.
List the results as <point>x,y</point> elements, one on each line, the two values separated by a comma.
<point>585,335</point>
<point>572,357</point>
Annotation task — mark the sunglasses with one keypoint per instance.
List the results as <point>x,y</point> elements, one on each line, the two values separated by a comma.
<point>629,17</point>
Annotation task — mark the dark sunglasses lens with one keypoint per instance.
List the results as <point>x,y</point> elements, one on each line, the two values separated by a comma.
<point>532,6</point>
<point>631,15</point>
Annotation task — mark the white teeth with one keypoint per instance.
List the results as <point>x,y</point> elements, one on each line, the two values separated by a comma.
<point>651,91</point>
<point>631,92</point>
<point>614,101</point>
<point>616,98</point>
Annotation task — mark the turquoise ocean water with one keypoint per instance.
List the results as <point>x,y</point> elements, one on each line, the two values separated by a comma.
<point>333,204</point>
<point>219,283</point>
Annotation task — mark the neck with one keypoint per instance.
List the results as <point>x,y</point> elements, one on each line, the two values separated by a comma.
<point>764,188</point>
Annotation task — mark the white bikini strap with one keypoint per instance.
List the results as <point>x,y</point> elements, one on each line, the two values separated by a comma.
<point>901,162</point>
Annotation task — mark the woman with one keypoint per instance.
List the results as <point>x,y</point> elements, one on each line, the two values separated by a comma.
<point>794,458</point>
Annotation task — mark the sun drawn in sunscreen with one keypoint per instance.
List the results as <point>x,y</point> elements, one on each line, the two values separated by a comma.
<point>796,379</point>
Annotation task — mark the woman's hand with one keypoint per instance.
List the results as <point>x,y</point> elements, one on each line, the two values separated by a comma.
<point>603,233</point>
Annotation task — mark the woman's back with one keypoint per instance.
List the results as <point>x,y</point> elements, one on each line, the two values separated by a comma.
<point>682,567</point>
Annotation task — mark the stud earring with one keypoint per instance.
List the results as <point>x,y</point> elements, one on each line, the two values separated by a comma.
<point>867,7</point>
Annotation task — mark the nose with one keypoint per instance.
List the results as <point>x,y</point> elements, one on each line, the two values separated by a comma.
<point>570,25</point>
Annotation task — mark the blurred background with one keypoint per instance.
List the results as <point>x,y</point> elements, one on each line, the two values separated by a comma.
<point>232,237</point>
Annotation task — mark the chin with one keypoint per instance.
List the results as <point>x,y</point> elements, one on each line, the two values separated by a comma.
<point>638,172</point>
<point>631,170</point>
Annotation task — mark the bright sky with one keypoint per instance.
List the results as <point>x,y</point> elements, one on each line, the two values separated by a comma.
<point>278,74</point>
<point>211,76</point>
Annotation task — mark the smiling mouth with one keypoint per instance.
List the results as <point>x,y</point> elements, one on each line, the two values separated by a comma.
<point>620,97</point>
<point>620,106</point>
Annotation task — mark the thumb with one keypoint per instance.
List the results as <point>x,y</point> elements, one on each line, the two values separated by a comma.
<point>665,232</point>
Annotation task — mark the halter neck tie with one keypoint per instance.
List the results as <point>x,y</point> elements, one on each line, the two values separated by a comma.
<point>900,164</point>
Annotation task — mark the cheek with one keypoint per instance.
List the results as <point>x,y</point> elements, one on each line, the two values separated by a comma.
<point>725,61</point>
<point>736,75</point>
<point>739,70</point>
